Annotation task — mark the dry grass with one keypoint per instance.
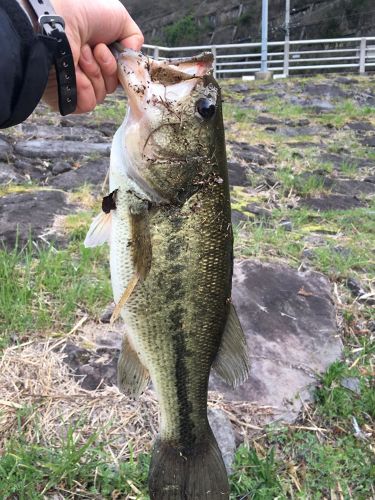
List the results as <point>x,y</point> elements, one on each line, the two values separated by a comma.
<point>36,383</point>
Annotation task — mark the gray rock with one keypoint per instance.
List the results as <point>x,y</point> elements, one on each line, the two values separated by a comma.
<point>253,208</point>
<point>60,149</point>
<point>346,81</point>
<point>321,106</point>
<point>296,131</point>
<point>92,369</point>
<point>339,161</point>
<point>260,97</point>
<point>93,172</point>
<point>302,145</point>
<point>24,215</point>
<point>241,88</point>
<point>106,315</point>
<point>251,154</point>
<point>327,90</point>
<point>237,174</point>
<point>60,167</point>
<point>68,133</point>
<point>224,434</point>
<point>5,149</point>
<point>352,383</point>
<point>361,126</point>
<point>289,321</point>
<point>303,122</point>
<point>332,202</point>
<point>369,142</point>
<point>266,120</point>
<point>8,174</point>
<point>355,287</point>
<point>351,187</point>
<point>286,225</point>
<point>238,217</point>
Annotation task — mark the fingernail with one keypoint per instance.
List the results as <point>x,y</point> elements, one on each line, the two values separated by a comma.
<point>86,53</point>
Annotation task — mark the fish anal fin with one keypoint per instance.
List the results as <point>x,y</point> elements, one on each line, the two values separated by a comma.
<point>132,376</point>
<point>232,362</point>
<point>99,231</point>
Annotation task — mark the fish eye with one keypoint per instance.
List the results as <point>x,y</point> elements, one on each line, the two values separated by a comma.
<point>206,108</point>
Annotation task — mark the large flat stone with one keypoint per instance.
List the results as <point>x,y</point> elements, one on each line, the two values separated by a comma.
<point>72,133</point>
<point>289,321</point>
<point>327,90</point>
<point>93,172</point>
<point>60,149</point>
<point>332,202</point>
<point>25,215</point>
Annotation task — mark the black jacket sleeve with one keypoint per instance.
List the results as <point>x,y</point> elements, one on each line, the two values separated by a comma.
<point>25,60</point>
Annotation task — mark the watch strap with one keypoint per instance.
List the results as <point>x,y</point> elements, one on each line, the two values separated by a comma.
<point>53,26</point>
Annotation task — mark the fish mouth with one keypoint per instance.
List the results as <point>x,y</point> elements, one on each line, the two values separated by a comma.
<point>150,82</point>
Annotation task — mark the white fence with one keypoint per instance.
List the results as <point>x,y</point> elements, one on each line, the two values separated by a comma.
<point>243,59</point>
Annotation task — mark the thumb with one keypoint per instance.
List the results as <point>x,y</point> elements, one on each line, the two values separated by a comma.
<point>131,37</point>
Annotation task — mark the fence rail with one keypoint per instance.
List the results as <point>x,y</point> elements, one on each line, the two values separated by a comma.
<point>243,59</point>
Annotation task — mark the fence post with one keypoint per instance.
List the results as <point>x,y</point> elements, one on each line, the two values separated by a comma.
<point>287,38</point>
<point>286,57</point>
<point>362,57</point>
<point>213,50</point>
<point>156,53</point>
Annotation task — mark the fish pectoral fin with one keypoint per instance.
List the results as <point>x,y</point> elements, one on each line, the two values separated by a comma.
<point>232,361</point>
<point>132,376</point>
<point>124,298</point>
<point>100,231</point>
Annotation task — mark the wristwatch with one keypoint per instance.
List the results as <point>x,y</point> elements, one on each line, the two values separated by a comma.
<point>51,25</point>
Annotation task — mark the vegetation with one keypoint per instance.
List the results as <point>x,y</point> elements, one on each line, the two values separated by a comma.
<point>185,31</point>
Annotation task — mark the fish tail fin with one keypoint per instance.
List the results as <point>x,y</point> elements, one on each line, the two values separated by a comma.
<point>198,473</point>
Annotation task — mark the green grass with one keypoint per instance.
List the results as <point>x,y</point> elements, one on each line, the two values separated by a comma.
<point>291,179</point>
<point>346,111</point>
<point>42,289</point>
<point>113,111</point>
<point>281,109</point>
<point>30,471</point>
<point>346,239</point>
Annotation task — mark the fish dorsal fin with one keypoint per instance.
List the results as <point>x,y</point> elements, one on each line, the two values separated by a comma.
<point>232,362</point>
<point>100,230</point>
<point>132,376</point>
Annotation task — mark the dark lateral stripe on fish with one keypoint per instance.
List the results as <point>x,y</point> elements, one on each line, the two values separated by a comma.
<point>109,202</point>
<point>186,425</point>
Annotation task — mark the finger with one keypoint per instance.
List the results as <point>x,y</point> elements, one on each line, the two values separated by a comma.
<point>119,27</point>
<point>86,98</point>
<point>93,72</point>
<point>133,41</point>
<point>131,36</point>
<point>108,66</point>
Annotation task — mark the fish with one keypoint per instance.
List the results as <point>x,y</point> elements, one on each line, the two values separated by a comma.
<point>167,219</point>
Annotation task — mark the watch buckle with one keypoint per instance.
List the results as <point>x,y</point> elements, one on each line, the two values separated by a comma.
<point>51,21</point>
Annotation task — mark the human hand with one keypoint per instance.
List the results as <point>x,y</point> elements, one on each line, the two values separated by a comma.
<point>91,25</point>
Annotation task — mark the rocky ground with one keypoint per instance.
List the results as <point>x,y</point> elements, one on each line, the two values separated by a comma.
<point>301,158</point>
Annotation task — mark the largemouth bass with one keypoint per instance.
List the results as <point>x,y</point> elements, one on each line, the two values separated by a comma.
<point>168,221</point>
